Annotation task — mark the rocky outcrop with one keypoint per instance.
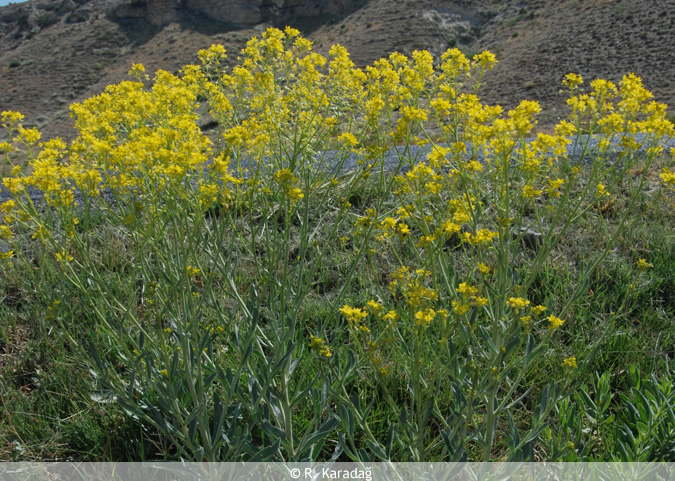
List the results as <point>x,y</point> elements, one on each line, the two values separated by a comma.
<point>157,12</point>
<point>232,12</point>
<point>237,12</point>
<point>311,8</point>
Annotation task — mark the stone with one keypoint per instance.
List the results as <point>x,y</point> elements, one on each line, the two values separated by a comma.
<point>530,238</point>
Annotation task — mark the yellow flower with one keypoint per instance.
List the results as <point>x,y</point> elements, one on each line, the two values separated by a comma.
<point>295,194</point>
<point>9,117</point>
<point>530,192</point>
<point>668,177</point>
<point>473,166</point>
<point>643,265</point>
<point>402,230</point>
<point>570,362</point>
<point>284,176</point>
<point>460,308</point>
<point>417,295</point>
<point>6,232</point>
<point>7,206</point>
<point>63,256</point>
<point>425,317</point>
<point>52,309</point>
<point>348,138</point>
<point>450,227</point>
<point>5,147</point>
<point>483,236</point>
<point>389,223</point>
<point>485,270</point>
<point>485,59</point>
<point>517,303</point>
<point>480,301</point>
<point>538,309</point>
<point>412,114</point>
<point>6,255</point>
<point>425,240</point>
<point>432,187</point>
<point>601,190</point>
<point>466,290</point>
<point>319,346</point>
<point>207,194</point>
<point>554,186</point>
<point>353,314</point>
<point>391,316</point>
<point>136,68</point>
<point>13,185</point>
<point>375,306</point>
<point>572,80</point>
<point>555,322</point>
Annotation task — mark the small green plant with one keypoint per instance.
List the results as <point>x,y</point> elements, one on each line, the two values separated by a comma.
<point>45,20</point>
<point>636,426</point>
<point>23,19</point>
<point>515,20</point>
<point>14,64</point>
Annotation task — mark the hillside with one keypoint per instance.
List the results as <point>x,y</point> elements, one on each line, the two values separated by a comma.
<point>55,52</point>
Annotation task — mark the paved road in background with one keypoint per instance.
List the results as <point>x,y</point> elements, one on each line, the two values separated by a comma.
<point>391,159</point>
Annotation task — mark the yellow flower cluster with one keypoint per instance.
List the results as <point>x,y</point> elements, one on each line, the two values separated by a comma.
<point>570,362</point>
<point>319,346</point>
<point>425,317</point>
<point>668,178</point>
<point>555,322</point>
<point>355,317</point>
<point>481,237</point>
<point>282,103</point>
<point>412,287</point>
<point>517,303</point>
<point>287,181</point>
<point>468,299</point>
<point>643,265</point>
<point>390,226</point>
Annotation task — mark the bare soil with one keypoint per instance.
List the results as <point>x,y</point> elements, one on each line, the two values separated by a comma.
<point>54,53</point>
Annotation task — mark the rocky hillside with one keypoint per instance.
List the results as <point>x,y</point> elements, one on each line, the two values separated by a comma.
<point>55,52</point>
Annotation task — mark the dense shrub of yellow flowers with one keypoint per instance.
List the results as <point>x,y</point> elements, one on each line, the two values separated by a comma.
<point>448,276</point>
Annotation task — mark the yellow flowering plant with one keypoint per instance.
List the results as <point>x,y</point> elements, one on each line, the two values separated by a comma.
<point>487,196</point>
<point>229,238</point>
